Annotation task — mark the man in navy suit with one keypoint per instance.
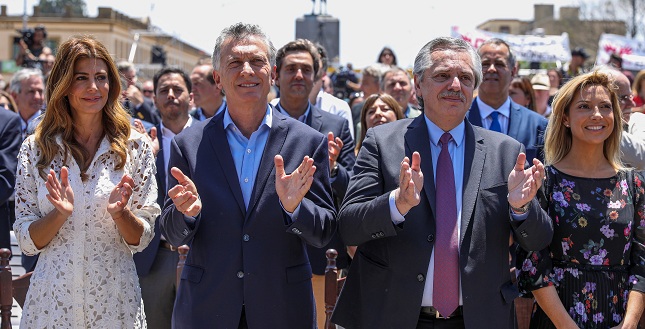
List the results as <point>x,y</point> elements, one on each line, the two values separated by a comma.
<point>296,69</point>
<point>247,221</point>
<point>10,140</point>
<point>157,264</point>
<point>493,108</point>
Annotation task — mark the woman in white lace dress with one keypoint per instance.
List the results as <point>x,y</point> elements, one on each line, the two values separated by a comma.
<point>85,198</point>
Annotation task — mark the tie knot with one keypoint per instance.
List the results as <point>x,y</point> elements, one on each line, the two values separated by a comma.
<point>445,139</point>
<point>494,115</point>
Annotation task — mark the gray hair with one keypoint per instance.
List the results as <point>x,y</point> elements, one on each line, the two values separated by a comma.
<point>124,66</point>
<point>15,86</point>
<point>498,42</point>
<point>392,71</point>
<point>423,61</point>
<point>241,31</point>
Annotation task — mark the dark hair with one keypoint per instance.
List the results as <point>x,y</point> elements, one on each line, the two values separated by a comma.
<point>169,70</point>
<point>378,60</point>
<point>498,41</point>
<point>298,45</point>
<point>524,84</point>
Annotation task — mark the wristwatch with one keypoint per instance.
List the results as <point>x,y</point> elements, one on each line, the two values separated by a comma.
<point>334,171</point>
<point>521,210</point>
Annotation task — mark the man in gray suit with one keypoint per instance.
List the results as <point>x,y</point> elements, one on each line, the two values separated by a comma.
<point>431,206</point>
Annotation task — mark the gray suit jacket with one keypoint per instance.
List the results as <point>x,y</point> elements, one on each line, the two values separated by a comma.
<point>386,280</point>
<point>632,143</point>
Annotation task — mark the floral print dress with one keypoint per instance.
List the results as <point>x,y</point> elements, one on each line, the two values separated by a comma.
<point>592,260</point>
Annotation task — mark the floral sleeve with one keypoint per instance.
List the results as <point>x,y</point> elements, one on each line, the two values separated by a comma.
<point>637,261</point>
<point>27,208</point>
<point>144,194</point>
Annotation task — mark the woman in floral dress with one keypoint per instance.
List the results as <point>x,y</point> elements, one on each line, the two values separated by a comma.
<point>592,274</point>
<point>85,198</point>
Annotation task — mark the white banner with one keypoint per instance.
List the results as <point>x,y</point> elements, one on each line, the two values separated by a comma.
<point>632,51</point>
<point>530,48</point>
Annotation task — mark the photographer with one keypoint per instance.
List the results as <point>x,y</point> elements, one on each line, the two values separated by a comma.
<point>33,50</point>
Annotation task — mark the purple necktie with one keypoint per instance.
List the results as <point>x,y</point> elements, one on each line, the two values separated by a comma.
<point>446,255</point>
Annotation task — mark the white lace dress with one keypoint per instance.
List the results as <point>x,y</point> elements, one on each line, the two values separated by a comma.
<point>85,277</point>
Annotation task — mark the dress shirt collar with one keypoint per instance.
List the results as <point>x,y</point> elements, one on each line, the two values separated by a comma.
<point>485,110</point>
<point>435,132</point>
<point>268,119</point>
<point>302,118</point>
<point>165,132</point>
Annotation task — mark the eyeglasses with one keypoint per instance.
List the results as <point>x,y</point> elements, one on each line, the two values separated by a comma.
<point>626,98</point>
<point>148,91</point>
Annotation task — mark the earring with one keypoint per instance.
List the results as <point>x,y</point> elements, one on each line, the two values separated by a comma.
<point>566,125</point>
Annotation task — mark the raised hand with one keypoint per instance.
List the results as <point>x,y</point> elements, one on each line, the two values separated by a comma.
<point>184,194</point>
<point>151,137</point>
<point>120,196</point>
<point>408,194</point>
<point>60,193</point>
<point>523,184</point>
<point>334,145</point>
<point>292,188</point>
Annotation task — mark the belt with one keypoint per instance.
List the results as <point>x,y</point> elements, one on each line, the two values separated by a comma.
<point>166,245</point>
<point>432,312</point>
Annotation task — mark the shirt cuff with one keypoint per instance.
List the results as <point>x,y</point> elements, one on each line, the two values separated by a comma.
<point>396,216</point>
<point>519,217</point>
<point>292,215</point>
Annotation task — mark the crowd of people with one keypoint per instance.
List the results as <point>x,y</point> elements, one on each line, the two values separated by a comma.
<point>459,196</point>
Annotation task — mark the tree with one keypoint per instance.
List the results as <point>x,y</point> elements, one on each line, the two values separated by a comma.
<point>630,11</point>
<point>58,6</point>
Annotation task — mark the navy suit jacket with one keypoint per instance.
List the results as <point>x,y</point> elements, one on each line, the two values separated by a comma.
<point>144,260</point>
<point>324,122</point>
<point>525,126</point>
<point>253,258</point>
<point>385,284</point>
<point>10,141</point>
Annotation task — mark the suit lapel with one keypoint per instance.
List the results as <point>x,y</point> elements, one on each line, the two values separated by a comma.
<point>514,121</point>
<point>474,158</point>
<point>316,118</point>
<point>159,161</point>
<point>277,136</point>
<point>417,139</point>
<point>219,143</point>
<point>473,114</point>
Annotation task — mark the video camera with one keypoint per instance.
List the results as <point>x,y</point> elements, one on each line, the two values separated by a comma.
<point>28,34</point>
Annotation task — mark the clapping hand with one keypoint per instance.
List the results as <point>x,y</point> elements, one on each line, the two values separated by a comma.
<point>60,193</point>
<point>184,194</point>
<point>152,137</point>
<point>120,196</point>
<point>292,188</point>
<point>523,184</point>
<point>408,194</point>
<point>334,145</point>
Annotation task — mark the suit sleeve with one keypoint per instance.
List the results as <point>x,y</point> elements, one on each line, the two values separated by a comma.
<point>346,160</point>
<point>637,261</point>
<point>366,208</point>
<point>10,140</point>
<point>316,221</point>
<point>176,227</point>
<point>632,144</point>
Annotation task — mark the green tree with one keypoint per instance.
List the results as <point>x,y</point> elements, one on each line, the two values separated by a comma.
<point>58,6</point>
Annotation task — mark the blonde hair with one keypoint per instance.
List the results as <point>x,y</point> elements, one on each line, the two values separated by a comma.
<point>58,117</point>
<point>558,140</point>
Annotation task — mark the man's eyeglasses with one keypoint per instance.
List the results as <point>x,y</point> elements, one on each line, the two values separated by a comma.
<point>626,98</point>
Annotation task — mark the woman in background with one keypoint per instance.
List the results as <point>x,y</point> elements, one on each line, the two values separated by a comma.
<point>387,57</point>
<point>521,92</point>
<point>85,198</point>
<point>378,109</point>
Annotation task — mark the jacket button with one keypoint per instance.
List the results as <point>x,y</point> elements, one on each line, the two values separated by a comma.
<point>373,236</point>
<point>246,237</point>
<point>431,238</point>
<point>420,277</point>
<point>240,274</point>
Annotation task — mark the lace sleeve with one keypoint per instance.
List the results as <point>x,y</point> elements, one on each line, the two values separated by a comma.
<point>27,208</point>
<point>143,202</point>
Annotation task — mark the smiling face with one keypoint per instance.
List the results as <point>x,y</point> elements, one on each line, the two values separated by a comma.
<point>397,84</point>
<point>497,70</point>
<point>245,73</point>
<point>89,91</point>
<point>590,116</point>
<point>379,113</point>
<point>447,87</point>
